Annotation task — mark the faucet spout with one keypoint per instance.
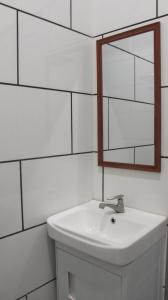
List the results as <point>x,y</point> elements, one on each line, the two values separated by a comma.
<point>118,208</point>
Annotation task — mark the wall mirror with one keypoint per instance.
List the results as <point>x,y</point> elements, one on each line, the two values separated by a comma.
<point>128,89</point>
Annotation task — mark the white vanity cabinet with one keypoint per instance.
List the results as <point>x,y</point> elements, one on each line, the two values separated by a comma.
<point>81,277</point>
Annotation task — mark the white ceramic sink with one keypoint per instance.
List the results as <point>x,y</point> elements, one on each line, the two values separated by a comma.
<point>89,229</point>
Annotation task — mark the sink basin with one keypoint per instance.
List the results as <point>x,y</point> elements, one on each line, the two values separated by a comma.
<point>89,229</point>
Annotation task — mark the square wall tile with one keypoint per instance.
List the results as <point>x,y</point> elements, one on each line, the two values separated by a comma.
<point>27,261</point>
<point>55,184</point>
<point>65,59</point>
<point>54,10</point>
<point>10,202</point>
<point>82,112</point>
<point>47,292</point>
<point>143,190</point>
<point>8,45</point>
<point>34,123</point>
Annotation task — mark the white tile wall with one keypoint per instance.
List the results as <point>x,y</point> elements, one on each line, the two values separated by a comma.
<point>82,11</point>
<point>118,73</point>
<point>164,137</point>
<point>46,292</point>
<point>162,7</point>
<point>122,155</point>
<point>142,190</point>
<point>105,123</point>
<point>144,81</point>
<point>37,123</point>
<point>164,45</point>
<point>97,179</point>
<point>27,261</point>
<point>10,202</point>
<point>8,45</point>
<point>52,185</point>
<point>82,111</point>
<point>140,45</point>
<point>54,10</point>
<point>125,124</point>
<point>110,15</point>
<point>145,155</point>
<point>150,188</point>
<point>51,56</point>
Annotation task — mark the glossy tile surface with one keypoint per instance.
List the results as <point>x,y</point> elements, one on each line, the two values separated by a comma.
<point>63,62</point>
<point>110,15</point>
<point>164,137</point>
<point>47,292</point>
<point>8,45</point>
<point>27,261</point>
<point>10,203</point>
<point>122,156</point>
<point>142,190</point>
<point>82,112</point>
<point>53,185</point>
<point>54,10</point>
<point>37,123</point>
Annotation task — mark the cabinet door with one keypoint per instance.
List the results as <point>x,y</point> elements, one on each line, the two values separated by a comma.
<point>80,280</point>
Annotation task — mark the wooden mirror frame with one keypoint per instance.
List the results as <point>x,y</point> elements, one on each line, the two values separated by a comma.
<point>157,96</point>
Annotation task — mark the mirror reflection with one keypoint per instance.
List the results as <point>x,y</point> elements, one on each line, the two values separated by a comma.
<point>128,100</point>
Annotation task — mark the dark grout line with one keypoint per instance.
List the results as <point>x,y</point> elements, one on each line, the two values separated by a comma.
<point>108,125</point>
<point>35,226</point>
<point>131,25</point>
<point>102,184</point>
<point>71,124</point>
<point>129,147</point>
<point>45,157</point>
<point>39,287</point>
<point>45,88</point>
<point>11,234</point>
<point>21,231</point>
<point>130,100</point>
<point>134,78</point>
<point>21,193</point>
<point>134,155</point>
<point>46,20</point>
<point>17,41</point>
<point>156,8</point>
<point>70,14</point>
<point>135,55</point>
<point>79,32</point>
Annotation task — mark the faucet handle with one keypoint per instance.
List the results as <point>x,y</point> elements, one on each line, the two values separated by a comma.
<point>117,197</point>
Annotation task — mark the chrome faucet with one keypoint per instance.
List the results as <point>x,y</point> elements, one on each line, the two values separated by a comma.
<point>118,208</point>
